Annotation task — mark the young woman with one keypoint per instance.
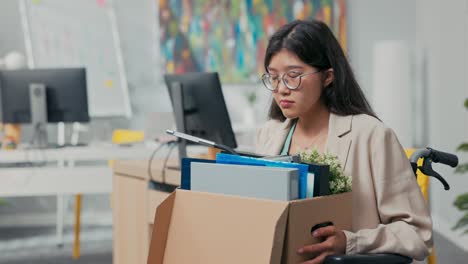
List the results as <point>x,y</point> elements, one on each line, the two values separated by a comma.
<point>317,103</point>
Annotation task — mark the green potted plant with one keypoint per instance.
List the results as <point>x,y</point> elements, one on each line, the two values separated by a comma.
<point>339,183</point>
<point>461,202</point>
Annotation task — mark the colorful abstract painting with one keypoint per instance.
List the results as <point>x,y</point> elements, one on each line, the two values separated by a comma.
<point>230,37</point>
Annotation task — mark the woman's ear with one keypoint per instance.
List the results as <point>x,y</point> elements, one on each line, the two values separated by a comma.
<point>328,77</point>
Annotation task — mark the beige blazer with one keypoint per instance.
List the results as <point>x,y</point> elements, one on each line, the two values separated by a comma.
<point>389,212</point>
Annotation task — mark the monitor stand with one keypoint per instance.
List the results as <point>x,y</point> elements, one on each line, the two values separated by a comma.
<point>38,102</point>
<point>178,105</point>
<point>179,113</point>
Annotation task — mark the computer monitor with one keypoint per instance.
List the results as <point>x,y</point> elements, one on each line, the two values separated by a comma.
<point>199,108</point>
<point>41,96</point>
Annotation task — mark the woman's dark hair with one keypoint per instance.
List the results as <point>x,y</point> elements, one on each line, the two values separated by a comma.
<point>314,43</point>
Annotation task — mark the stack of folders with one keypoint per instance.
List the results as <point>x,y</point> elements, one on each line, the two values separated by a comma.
<point>255,177</point>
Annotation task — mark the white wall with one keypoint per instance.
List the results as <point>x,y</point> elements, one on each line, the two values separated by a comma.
<point>380,27</point>
<point>371,21</point>
<point>437,31</point>
<point>443,33</point>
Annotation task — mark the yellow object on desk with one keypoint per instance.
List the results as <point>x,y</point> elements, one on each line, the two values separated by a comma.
<point>124,136</point>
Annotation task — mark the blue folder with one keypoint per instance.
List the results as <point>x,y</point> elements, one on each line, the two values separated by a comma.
<point>185,171</point>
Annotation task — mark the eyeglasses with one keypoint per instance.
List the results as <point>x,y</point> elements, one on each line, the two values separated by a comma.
<point>291,79</point>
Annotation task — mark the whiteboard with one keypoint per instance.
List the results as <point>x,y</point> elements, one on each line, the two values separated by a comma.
<point>72,33</point>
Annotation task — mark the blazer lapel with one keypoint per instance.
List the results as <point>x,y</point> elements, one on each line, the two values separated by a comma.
<point>276,137</point>
<point>339,140</point>
<point>276,141</point>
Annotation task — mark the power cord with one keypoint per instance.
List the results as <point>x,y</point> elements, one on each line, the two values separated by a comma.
<point>163,168</point>
<point>150,162</point>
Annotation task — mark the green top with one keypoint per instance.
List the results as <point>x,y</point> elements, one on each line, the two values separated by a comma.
<point>287,142</point>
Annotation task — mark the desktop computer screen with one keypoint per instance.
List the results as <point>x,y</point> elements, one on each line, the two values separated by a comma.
<point>204,110</point>
<point>41,96</point>
<point>66,94</point>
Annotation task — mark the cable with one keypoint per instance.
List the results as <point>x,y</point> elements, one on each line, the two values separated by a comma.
<point>154,154</point>
<point>152,157</point>
<point>163,169</point>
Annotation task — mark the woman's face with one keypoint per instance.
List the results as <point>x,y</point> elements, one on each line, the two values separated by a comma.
<point>306,98</point>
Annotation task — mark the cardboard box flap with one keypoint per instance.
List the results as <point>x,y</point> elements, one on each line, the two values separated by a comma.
<point>213,228</point>
<point>161,229</point>
<point>279,237</point>
<point>155,198</point>
<point>304,214</point>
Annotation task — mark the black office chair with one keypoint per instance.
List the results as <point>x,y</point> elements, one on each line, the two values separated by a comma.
<point>368,259</point>
<point>428,155</point>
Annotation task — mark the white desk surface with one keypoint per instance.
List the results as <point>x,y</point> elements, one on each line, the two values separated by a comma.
<point>92,152</point>
<point>54,180</point>
<point>65,177</point>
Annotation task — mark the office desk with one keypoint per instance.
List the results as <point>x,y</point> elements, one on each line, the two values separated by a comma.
<point>64,169</point>
<point>37,181</point>
<point>134,205</point>
<point>98,151</point>
<point>69,170</point>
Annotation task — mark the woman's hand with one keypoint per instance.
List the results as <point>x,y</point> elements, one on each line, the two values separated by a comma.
<point>333,242</point>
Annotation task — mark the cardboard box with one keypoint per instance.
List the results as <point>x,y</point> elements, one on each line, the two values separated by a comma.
<point>196,227</point>
<point>154,198</point>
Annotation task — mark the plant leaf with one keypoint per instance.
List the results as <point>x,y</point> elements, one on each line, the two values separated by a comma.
<point>338,182</point>
<point>462,222</point>
<point>462,168</point>
<point>466,103</point>
<point>461,202</point>
<point>463,147</point>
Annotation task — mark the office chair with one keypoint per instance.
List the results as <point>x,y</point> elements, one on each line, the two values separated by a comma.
<point>421,163</point>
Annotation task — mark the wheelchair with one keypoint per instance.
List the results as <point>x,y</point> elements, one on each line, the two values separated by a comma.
<point>428,156</point>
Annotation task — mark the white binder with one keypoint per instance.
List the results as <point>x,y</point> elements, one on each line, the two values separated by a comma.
<point>262,182</point>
